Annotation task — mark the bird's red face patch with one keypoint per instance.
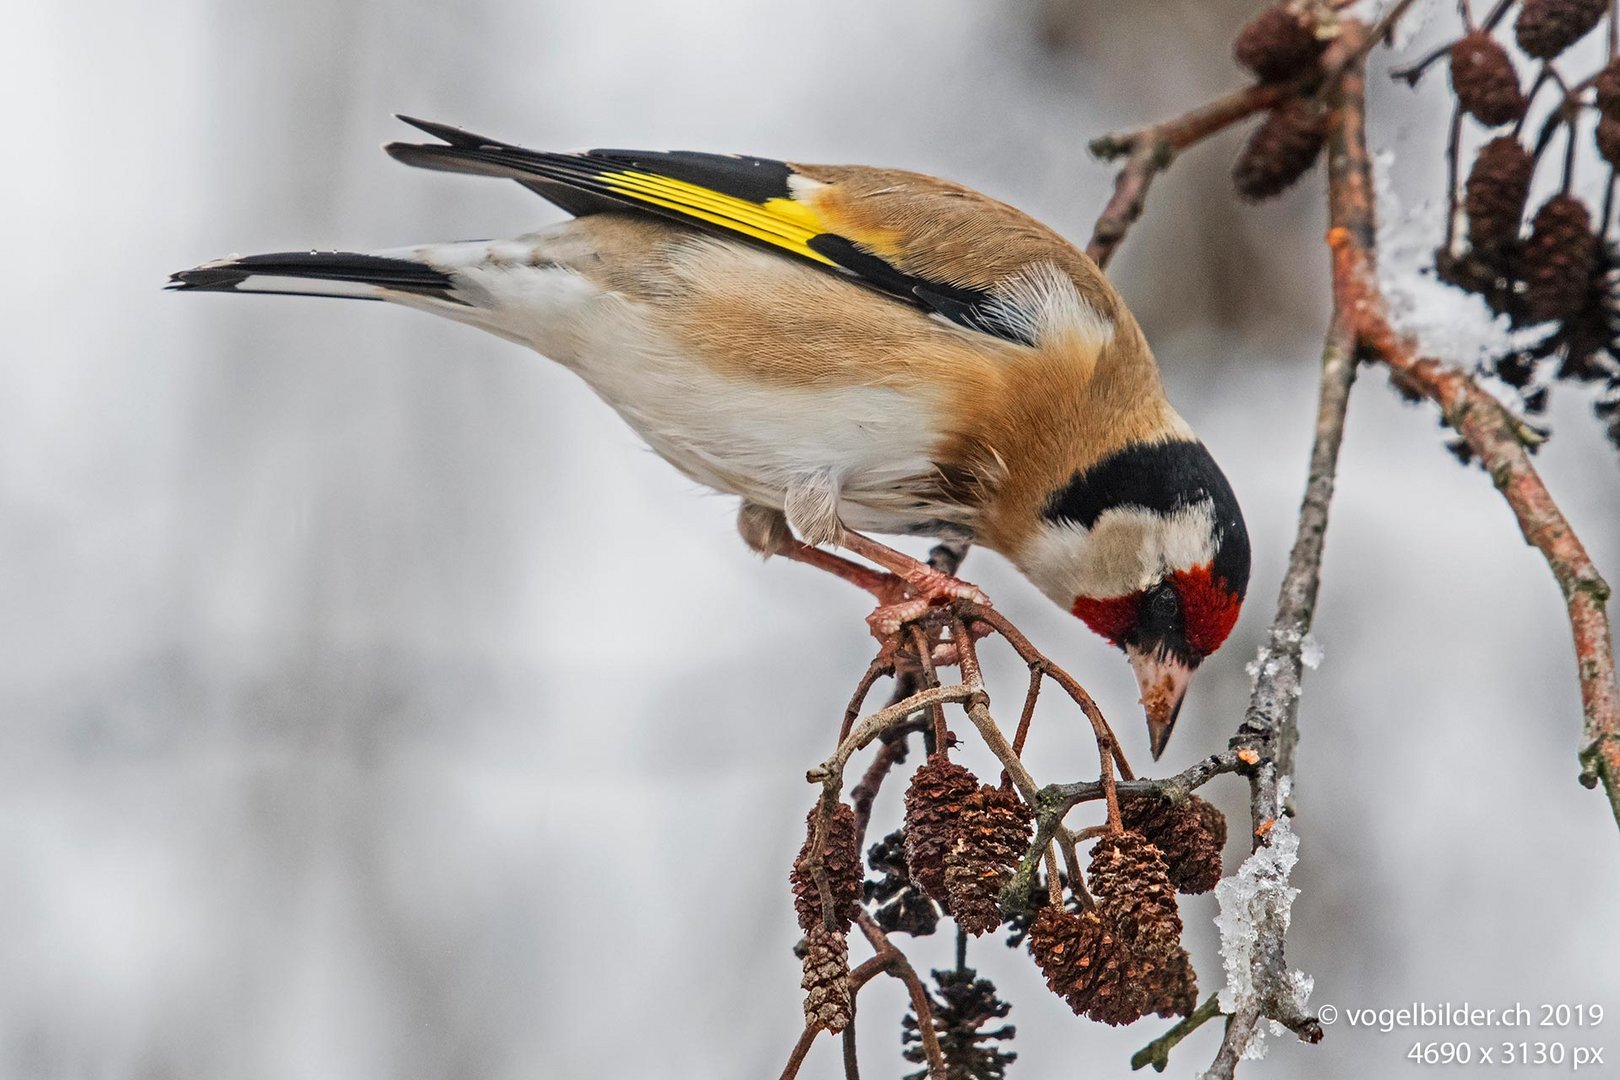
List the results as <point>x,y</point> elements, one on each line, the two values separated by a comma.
<point>1209,607</point>
<point>1208,611</point>
<point>1113,617</point>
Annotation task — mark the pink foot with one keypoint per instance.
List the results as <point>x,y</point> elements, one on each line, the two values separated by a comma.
<point>926,590</point>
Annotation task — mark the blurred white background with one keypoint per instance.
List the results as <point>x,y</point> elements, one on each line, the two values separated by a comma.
<point>377,707</point>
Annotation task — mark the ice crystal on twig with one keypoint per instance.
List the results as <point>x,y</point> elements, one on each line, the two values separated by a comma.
<point>1255,898</point>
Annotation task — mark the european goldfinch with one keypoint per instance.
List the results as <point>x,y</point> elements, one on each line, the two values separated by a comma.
<point>848,348</point>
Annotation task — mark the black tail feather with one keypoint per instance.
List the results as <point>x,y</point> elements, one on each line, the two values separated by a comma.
<point>398,275</point>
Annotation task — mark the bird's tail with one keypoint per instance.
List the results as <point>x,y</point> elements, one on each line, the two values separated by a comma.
<point>320,273</point>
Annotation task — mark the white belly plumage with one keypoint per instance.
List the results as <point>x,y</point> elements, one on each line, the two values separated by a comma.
<point>864,452</point>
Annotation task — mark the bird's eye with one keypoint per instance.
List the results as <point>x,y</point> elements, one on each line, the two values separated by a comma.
<point>1165,603</point>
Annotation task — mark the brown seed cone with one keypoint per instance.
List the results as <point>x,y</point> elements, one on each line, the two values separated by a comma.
<point>1607,85</point>
<point>1191,836</point>
<point>1475,273</point>
<point>1131,882</point>
<point>1494,194</point>
<point>827,1002</point>
<point>1280,151</point>
<point>1172,988</point>
<point>1277,45</point>
<point>841,858</point>
<point>1608,139</point>
<point>1559,259</point>
<point>933,801</point>
<point>992,834</point>
<point>1546,28</point>
<point>1483,78</point>
<point>1088,966</point>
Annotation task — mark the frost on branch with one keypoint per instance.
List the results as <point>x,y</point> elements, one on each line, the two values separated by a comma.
<point>1310,652</point>
<point>1258,896</point>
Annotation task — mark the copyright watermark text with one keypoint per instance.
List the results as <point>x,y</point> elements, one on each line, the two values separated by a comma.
<point>1535,1040</point>
<point>1463,1014</point>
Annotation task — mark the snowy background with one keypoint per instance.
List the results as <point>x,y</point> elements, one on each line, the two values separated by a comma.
<point>376,707</point>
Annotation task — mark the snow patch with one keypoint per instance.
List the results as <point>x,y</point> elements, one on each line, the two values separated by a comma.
<point>1443,320</point>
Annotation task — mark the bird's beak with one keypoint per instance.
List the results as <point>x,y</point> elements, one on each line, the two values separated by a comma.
<point>1163,680</point>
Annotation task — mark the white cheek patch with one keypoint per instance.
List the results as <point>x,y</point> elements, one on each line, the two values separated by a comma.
<point>1042,303</point>
<point>1188,537</point>
<point>1126,550</point>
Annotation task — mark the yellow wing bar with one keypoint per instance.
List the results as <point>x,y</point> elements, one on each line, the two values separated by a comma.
<point>779,222</point>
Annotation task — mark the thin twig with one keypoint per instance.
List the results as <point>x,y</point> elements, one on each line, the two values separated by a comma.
<point>1270,724</point>
<point>921,1007</point>
<point>891,753</point>
<point>875,724</point>
<point>1157,1052</point>
<point>925,662</point>
<point>1150,151</point>
<point>800,1049</point>
<point>878,668</point>
<point>1028,713</point>
<point>978,710</point>
<point>1035,658</point>
<point>852,1064</point>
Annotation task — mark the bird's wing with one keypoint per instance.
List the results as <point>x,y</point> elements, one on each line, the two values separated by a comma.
<point>930,243</point>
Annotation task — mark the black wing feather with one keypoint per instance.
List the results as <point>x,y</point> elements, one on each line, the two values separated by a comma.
<point>574,183</point>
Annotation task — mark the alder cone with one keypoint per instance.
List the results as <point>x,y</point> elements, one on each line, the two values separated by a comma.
<point>1277,45</point>
<point>1608,139</point>
<point>900,907</point>
<point>827,1001</point>
<point>1190,834</point>
<point>1546,28</point>
<point>992,834</point>
<point>841,858</point>
<point>1172,987</point>
<point>1131,882</point>
<point>1495,192</point>
<point>963,1007</point>
<point>1280,151</point>
<point>1560,259</point>
<point>1483,78</point>
<point>933,801</point>
<point>1607,86</point>
<point>1087,964</point>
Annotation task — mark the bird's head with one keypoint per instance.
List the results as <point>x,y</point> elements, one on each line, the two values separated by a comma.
<point>1148,548</point>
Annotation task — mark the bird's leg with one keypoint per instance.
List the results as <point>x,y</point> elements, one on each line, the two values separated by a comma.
<point>904,593</point>
<point>766,530</point>
<point>924,582</point>
<point>888,588</point>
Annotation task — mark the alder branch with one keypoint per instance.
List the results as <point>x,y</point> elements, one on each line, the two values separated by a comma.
<point>1157,1052</point>
<point>1054,801</point>
<point>1150,151</point>
<point>1270,725</point>
<point>1500,441</point>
